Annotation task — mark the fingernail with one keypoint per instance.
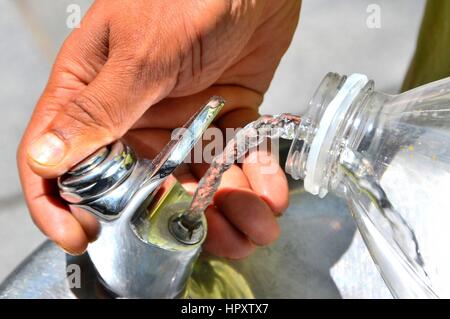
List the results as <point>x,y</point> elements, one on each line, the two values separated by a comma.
<point>71,253</point>
<point>47,150</point>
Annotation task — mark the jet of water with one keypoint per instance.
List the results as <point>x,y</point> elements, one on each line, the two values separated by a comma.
<point>253,134</point>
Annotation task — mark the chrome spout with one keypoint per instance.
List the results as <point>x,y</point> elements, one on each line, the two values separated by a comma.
<point>136,253</point>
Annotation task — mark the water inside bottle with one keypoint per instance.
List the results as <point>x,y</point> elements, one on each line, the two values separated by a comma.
<point>396,243</point>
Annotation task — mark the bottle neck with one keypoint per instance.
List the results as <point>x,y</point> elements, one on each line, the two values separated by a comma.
<point>334,121</point>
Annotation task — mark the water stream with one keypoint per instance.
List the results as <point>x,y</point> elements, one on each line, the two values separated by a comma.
<point>253,134</point>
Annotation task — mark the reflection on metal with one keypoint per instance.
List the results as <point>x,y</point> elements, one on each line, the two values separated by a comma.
<point>135,254</point>
<point>316,256</point>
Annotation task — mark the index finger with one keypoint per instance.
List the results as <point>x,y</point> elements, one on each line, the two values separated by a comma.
<point>48,213</point>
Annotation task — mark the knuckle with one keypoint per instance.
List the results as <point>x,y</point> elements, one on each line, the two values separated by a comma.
<point>94,111</point>
<point>146,65</point>
<point>129,64</point>
<point>146,70</point>
<point>85,109</point>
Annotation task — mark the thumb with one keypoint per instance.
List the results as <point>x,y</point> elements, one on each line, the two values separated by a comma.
<point>98,115</point>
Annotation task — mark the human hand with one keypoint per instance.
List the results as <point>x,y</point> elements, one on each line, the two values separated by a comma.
<point>138,69</point>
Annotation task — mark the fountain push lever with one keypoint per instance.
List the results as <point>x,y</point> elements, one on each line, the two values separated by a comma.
<point>139,253</point>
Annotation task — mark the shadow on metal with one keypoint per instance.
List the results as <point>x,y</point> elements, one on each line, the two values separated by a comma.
<point>315,234</point>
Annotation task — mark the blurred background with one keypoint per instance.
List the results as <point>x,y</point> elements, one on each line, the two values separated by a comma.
<point>332,35</point>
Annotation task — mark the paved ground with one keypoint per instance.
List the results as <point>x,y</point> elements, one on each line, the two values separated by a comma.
<point>332,36</point>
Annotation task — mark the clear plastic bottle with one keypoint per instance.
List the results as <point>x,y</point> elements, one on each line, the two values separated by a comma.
<point>389,156</point>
